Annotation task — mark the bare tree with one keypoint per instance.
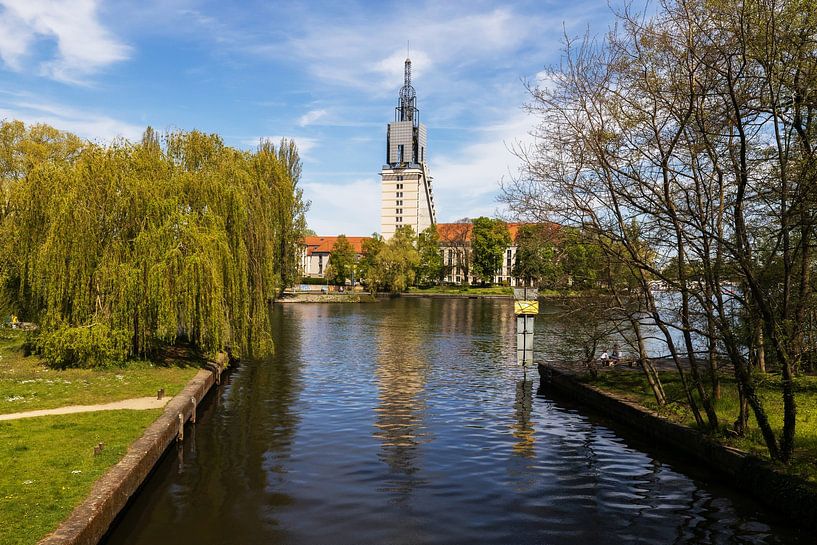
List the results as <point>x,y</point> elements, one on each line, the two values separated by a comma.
<point>684,143</point>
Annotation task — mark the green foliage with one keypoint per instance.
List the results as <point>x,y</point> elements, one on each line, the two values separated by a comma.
<point>313,281</point>
<point>391,265</point>
<point>341,262</point>
<point>368,262</point>
<point>87,346</point>
<point>583,259</point>
<point>431,269</point>
<point>538,257</point>
<point>174,237</point>
<point>489,240</point>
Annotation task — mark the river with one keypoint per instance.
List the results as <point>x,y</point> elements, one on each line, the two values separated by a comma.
<point>409,421</point>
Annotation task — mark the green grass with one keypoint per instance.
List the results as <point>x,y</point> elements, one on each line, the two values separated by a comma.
<point>41,484</point>
<point>492,290</point>
<point>27,384</point>
<point>464,290</point>
<point>47,465</point>
<point>634,387</point>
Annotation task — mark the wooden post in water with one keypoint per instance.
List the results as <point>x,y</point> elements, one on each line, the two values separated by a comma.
<point>180,433</point>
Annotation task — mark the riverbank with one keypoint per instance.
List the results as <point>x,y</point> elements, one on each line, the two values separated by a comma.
<point>48,464</point>
<point>334,297</point>
<point>789,490</point>
<point>489,292</point>
<point>439,292</point>
<point>92,518</point>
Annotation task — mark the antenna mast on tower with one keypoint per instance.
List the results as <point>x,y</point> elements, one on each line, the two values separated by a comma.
<point>407,105</point>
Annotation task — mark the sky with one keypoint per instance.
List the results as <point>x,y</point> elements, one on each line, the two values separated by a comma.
<point>326,74</point>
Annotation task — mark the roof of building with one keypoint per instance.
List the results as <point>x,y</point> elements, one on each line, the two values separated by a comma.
<point>319,244</point>
<point>461,232</point>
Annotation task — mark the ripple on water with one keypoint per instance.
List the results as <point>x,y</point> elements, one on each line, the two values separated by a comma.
<point>409,422</point>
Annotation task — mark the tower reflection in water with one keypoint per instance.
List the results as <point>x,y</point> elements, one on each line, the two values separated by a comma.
<point>401,375</point>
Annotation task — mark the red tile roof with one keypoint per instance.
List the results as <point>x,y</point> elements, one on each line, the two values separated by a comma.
<point>454,232</point>
<point>325,244</point>
<point>461,232</point>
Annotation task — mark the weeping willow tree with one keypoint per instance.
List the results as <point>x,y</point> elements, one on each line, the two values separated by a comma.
<point>177,237</point>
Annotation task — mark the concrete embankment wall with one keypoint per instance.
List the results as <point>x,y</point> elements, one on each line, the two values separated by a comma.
<point>110,494</point>
<point>791,496</point>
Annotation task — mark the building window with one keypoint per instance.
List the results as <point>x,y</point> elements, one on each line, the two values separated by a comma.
<point>399,210</point>
<point>400,186</point>
<point>400,151</point>
<point>399,203</point>
<point>509,260</point>
<point>399,194</point>
<point>400,179</point>
<point>450,258</point>
<point>399,219</point>
<point>320,264</point>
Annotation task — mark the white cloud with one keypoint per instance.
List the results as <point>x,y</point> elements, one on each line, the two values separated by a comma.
<point>350,52</point>
<point>392,67</point>
<point>83,45</point>
<point>352,208</point>
<point>466,181</point>
<point>87,124</point>
<point>14,41</point>
<point>310,117</point>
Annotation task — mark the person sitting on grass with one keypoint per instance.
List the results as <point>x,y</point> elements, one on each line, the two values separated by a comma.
<point>605,358</point>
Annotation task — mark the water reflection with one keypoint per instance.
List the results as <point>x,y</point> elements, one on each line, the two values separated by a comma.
<point>523,429</point>
<point>410,422</point>
<point>401,375</point>
<point>230,468</point>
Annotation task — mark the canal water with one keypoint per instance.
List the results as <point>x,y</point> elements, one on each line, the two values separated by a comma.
<point>408,421</point>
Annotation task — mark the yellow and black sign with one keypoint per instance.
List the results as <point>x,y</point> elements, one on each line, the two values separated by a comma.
<point>525,307</point>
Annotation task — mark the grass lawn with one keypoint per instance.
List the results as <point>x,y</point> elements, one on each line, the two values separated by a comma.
<point>464,290</point>
<point>26,384</point>
<point>47,464</point>
<point>490,290</point>
<point>633,386</point>
<point>40,484</point>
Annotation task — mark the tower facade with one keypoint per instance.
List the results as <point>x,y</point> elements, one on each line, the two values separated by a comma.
<point>406,196</point>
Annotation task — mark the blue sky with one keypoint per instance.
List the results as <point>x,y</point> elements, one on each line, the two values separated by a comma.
<point>324,73</point>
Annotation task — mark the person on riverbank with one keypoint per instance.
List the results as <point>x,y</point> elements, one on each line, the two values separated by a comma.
<point>615,357</point>
<point>605,359</point>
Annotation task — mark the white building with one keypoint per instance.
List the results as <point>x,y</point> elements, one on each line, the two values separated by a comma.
<point>317,250</point>
<point>406,194</point>
<point>455,246</point>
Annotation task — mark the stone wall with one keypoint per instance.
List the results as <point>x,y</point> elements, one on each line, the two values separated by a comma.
<point>791,496</point>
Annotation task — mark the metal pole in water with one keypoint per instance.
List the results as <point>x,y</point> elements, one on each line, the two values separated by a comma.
<point>526,306</point>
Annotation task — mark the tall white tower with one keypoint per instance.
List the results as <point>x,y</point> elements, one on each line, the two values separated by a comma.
<point>406,197</point>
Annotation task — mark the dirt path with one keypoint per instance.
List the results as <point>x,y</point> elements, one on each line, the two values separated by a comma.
<point>139,404</point>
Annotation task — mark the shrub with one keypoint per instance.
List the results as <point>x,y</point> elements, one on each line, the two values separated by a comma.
<point>313,281</point>
<point>85,346</point>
